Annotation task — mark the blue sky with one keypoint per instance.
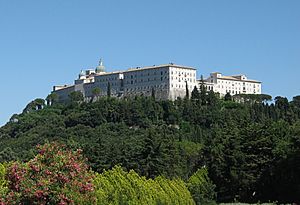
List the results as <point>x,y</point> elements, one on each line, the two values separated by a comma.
<point>43,43</point>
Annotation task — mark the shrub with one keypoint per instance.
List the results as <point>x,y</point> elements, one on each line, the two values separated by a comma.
<point>201,187</point>
<point>3,182</point>
<point>119,187</point>
<point>55,176</point>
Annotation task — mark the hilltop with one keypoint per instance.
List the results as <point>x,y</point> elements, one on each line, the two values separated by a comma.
<point>251,149</point>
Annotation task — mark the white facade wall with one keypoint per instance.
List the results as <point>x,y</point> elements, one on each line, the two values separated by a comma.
<point>233,84</point>
<point>179,77</point>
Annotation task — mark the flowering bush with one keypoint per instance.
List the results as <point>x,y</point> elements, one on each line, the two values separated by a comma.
<point>55,176</point>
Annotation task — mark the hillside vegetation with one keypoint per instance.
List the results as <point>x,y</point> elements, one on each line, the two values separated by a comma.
<point>251,149</point>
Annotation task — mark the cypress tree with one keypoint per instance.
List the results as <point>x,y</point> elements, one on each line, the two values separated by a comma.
<point>203,92</point>
<point>227,97</point>
<point>108,90</point>
<point>153,93</point>
<point>195,94</point>
<point>187,94</point>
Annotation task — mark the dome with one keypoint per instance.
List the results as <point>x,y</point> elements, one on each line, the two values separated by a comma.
<point>100,68</point>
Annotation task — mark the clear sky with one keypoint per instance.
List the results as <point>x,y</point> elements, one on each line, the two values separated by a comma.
<point>43,43</point>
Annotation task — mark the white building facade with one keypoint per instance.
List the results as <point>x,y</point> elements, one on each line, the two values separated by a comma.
<point>166,81</point>
<point>236,84</point>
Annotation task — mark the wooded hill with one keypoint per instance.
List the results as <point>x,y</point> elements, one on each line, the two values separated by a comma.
<point>251,149</point>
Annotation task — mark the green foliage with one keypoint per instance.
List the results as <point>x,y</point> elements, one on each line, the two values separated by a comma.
<point>195,94</point>
<point>76,96</point>
<point>252,98</point>
<point>201,187</point>
<point>36,104</point>
<point>187,92</point>
<point>228,97</point>
<point>96,92</point>
<point>52,98</point>
<point>119,187</point>
<point>3,181</point>
<point>243,145</point>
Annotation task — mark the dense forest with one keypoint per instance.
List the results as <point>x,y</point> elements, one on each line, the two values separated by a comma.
<point>249,144</point>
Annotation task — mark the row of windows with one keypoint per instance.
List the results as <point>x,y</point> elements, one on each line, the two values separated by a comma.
<point>209,87</point>
<point>183,73</point>
<point>146,87</point>
<point>232,92</point>
<point>239,91</point>
<point>244,88</point>
<point>183,79</point>
<point>237,83</point>
<point>106,79</point>
<point>148,80</point>
<point>181,86</point>
<point>144,74</point>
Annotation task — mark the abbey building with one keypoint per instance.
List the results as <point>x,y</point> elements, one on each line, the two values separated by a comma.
<point>167,81</point>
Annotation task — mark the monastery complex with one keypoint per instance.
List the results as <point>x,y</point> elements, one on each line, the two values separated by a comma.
<point>168,81</point>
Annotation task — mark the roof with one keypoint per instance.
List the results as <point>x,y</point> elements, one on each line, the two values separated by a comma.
<point>160,66</point>
<point>145,68</point>
<point>234,78</point>
<point>107,73</point>
<point>62,87</point>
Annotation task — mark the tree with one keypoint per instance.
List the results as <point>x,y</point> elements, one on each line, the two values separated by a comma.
<point>153,93</point>
<point>212,99</point>
<point>227,97</point>
<point>52,98</point>
<point>187,93</point>
<point>281,102</point>
<point>108,90</point>
<point>96,92</point>
<point>201,187</point>
<point>76,96</point>
<point>296,101</point>
<point>195,94</point>
<point>203,92</point>
<point>36,104</point>
<point>117,186</point>
<point>39,103</point>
